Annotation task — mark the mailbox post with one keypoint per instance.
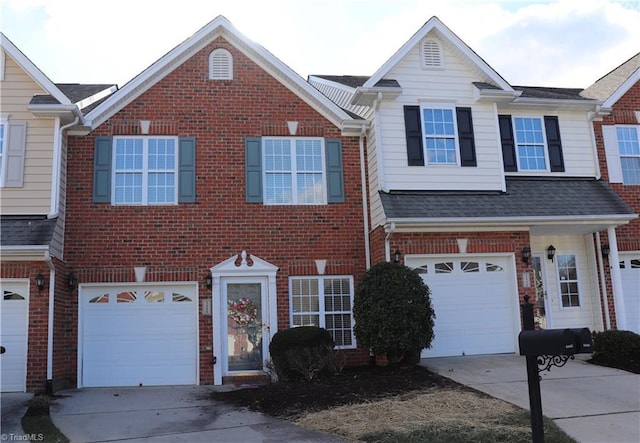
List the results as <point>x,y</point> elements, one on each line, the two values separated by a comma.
<point>548,347</point>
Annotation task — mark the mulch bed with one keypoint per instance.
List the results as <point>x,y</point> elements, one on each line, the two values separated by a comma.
<point>352,385</point>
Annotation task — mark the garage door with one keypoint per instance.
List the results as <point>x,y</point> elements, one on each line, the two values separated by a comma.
<point>475,301</point>
<point>630,274</point>
<point>139,335</point>
<point>14,309</point>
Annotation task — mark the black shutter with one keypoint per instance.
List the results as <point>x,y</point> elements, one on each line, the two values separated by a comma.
<point>413,131</point>
<point>508,144</point>
<point>465,137</point>
<point>102,170</point>
<point>552,128</point>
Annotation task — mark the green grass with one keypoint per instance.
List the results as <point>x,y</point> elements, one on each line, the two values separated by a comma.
<point>512,428</point>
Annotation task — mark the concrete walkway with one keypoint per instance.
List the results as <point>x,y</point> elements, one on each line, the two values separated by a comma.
<point>592,404</point>
<point>167,414</point>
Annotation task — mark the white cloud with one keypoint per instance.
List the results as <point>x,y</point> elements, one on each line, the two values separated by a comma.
<point>562,43</point>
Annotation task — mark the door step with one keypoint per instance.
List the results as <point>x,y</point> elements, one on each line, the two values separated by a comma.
<point>246,380</point>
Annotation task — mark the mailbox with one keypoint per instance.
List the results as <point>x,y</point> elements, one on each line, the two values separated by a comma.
<point>584,343</point>
<point>547,342</point>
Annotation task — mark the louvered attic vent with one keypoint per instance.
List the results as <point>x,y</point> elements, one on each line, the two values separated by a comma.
<point>431,54</point>
<point>220,65</point>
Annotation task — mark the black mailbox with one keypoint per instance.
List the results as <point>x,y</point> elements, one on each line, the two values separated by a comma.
<point>584,343</point>
<point>547,342</point>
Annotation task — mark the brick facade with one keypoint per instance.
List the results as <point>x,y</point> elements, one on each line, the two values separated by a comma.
<point>181,242</point>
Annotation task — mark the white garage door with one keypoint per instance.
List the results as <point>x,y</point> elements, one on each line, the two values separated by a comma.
<point>475,301</point>
<point>139,335</point>
<point>14,307</point>
<point>630,273</point>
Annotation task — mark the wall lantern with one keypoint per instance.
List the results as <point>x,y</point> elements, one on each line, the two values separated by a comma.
<point>605,250</point>
<point>72,281</point>
<point>396,256</point>
<point>40,282</point>
<point>208,281</point>
<point>551,252</point>
<point>526,254</point>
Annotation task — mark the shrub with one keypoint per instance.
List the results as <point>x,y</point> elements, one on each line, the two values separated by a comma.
<point>617,349</point>
<point>302,352</point>
<point>393,313</point>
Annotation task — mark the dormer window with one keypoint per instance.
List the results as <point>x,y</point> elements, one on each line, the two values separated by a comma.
<point>220,65</point>
<point>432,54</point>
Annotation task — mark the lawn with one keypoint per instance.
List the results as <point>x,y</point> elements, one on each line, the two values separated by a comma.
<point>392,404</point>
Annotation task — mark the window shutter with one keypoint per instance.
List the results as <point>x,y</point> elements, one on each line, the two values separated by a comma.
<point>554,144</point>
<point>465,137</point>
<point>612,154</point>
<point>102,170</point>
<point>15,147</point>
<point>413,131</point>
<point>186,170</point>
<point>335,181</point>
<point>508,144</point>
<point>253,169</point>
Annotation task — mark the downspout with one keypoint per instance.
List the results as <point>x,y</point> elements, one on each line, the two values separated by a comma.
<point>376,129</point>
<point>603,283</point>
<point>365,203</point>
<point>616,281</point>
<point>57,165</point>
<point>387,242</point>
<point>52,290</point>
<point>591,116</point>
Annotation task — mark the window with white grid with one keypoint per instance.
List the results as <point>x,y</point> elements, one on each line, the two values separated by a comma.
<point>144,170</point>
<point>530,143</point>
<point>568,276</point>
<point>629,147</point>
<point>294,171</point>
<point>326,302</point>
<point>440,135</point>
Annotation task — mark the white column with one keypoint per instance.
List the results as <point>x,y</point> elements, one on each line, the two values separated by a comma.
<point>616,280</point>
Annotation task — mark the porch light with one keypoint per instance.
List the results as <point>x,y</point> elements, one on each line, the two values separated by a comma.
<point>396,256</point>
<point>526,254</point>
<point>605,250</point>
<point>40,282</point>
<point>71,280</point>
<point>208,281</point>
<point>551,252</point>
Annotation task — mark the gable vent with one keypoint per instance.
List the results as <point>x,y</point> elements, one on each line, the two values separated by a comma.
<point>220,65</point>
<point>431,54</point>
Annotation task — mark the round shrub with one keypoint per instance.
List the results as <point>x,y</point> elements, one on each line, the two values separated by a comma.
<point>301,352</point>
<point>617,349</point>
<point>393,313</point>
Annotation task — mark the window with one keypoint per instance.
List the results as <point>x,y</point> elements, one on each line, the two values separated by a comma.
<point>294,172</point>
<point>530,144</point>
<point>629,149</point>
<point>326,302</point>
<point>220,65</point>
<point>568,276</point>
<point>439,130</point>
<point>144,170</point>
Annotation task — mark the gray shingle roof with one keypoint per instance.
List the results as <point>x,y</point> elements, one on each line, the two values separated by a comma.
<point>26,231</point>
<point>355,81</point>
<point>609,83</point>
<point>74,91</point>
<point>552,93</point>
<point>524,198</point>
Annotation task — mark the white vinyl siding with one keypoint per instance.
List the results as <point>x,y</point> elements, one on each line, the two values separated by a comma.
<point>34,197</point>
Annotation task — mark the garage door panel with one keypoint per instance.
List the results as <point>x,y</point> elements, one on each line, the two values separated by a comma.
<point>630,275</point>
<point>474,310</point>
<point>14,319</point>
<point>140,342</point>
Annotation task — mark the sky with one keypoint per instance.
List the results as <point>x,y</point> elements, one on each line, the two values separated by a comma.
<point>555,43</point>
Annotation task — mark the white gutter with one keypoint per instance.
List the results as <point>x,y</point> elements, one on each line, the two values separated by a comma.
<point>516,221</point>
<point>603,283</point>
<point>52,290</point>
<point>616,281</point>
<point>365,204</point>
<point>376,129</point>
<point>387,242</point>
<point>57,165</point>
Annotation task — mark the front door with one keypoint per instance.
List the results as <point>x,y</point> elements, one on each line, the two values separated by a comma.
<point>245,313</point>
<point>541,311</point>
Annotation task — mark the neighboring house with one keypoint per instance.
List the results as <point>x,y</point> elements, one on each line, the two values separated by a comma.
<point>491,191</point>
<point>211,201</point>
<point>34,117</point>
<point>617,135</point>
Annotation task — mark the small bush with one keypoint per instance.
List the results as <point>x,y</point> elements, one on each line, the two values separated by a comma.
<point>302,352</point>
<point>617,349</point>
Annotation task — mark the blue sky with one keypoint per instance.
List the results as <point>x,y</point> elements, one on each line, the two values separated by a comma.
<point>565,43</point>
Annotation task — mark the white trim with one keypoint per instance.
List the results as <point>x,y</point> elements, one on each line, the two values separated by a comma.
<point>2,65</point>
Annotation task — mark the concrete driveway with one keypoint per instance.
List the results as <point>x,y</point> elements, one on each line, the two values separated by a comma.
<point>590,403</point>
<point>166,414</point>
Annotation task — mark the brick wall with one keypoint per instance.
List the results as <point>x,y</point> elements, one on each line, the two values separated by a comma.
<point>181,242</point>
